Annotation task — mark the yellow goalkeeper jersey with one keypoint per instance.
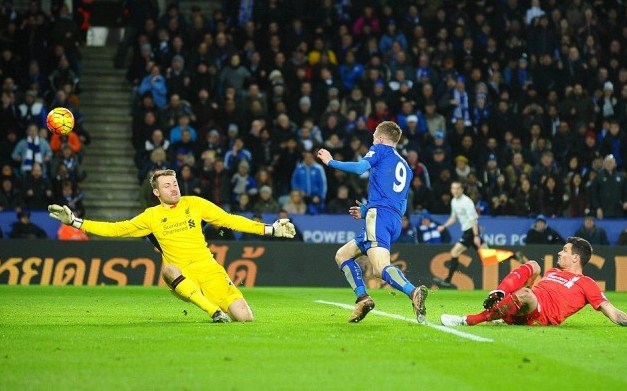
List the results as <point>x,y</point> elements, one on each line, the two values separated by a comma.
<point>178,229</point>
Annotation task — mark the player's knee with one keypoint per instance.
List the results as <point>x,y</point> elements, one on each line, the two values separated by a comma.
<point>247,316</point>
<point>524,295</point>
<point>340,257</point>
<point>535,266</point>
<point>170,273</point>
<point>377,269</point>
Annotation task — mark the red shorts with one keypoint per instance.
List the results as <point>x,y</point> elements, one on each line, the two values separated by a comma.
<point>535,318</point>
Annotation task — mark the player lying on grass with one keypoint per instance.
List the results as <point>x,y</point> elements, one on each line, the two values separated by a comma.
<point>190,269</point>
<point>562,291</point>
<point>388,185</point>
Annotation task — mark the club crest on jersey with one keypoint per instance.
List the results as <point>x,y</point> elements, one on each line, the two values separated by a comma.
<point>369,154</point>
<point>187,211</point>
<point>165,219</point>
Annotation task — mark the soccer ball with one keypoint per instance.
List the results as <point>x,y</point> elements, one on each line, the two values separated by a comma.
<point>60,121</point>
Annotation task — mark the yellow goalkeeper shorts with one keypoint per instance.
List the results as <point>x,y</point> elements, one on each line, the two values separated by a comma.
<point>214,283</point>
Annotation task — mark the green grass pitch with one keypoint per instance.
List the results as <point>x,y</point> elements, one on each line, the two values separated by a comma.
<point>141,338</point>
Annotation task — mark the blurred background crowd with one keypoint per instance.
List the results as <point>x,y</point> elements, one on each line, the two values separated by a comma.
<point>525,102</point>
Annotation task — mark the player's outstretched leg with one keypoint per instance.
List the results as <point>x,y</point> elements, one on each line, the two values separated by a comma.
<point>418,298</point>
<point>189,291</point>
<point>363,305</point>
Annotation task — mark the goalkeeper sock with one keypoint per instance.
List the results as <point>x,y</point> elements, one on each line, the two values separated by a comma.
<point>188,289</point>
<point>395,277</point>
<point>352,273</point>
<point>516,279</point>
<point>452,269</point>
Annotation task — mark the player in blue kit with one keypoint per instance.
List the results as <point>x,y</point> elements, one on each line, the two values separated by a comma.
<point>390,177</point>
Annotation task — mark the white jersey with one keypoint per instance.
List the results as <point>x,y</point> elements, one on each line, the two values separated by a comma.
<point>464,210</point>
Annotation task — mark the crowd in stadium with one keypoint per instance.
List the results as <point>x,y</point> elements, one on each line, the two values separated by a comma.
<point>522,101</point>
<point>40,68</point>
<point>525,102</point>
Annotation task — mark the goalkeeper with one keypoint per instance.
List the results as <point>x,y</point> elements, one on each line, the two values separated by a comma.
<point>189,267</point>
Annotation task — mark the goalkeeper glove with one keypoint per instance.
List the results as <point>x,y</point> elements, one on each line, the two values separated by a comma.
<point>282,228</point>
<point>64,215</point>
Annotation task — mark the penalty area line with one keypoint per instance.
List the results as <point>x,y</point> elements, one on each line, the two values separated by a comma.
<point>444,329</point>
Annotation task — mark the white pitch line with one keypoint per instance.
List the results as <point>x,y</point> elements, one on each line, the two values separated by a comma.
<point>445,329</point>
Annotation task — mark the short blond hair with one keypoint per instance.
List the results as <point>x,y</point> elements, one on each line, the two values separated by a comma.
<point>159,173</point>
<point>391,130</point>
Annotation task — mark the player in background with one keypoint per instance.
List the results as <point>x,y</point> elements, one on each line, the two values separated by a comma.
<point>562,291</point>
<point>462,210</point>
<point>190,269</point>
<point>390,177</point>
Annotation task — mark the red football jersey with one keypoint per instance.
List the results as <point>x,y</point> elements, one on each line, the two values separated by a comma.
<point>560,294</point>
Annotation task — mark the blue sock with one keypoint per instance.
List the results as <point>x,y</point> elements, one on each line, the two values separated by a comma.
<point>394,276</point>
<point>353,275</point>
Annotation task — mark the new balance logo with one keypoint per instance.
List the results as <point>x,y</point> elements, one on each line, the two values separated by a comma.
<point>191,223</point>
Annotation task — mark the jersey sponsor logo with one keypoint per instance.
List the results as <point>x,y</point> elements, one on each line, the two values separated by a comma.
<point>567,283</point>
<point>369,154</point>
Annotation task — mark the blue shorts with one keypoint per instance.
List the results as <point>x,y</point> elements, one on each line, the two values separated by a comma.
<point>382,228</point>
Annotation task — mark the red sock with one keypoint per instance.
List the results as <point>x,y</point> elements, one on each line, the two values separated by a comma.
<point>504,309</point>
<point>516,279</point>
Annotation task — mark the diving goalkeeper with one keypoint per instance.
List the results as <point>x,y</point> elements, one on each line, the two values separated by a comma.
<point>189,267</point>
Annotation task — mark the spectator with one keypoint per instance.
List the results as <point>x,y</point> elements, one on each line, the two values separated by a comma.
<point>608,191</point>
<point>591,232</point>
<point>242,204</point>
<point>71,161</point>
<point>57,142</point>
<point>242,182</point>
<point>341,203</point>
<point>32,150</point>
<point>23,228</point>
<point>72,196</point>
<point>517,167</point>
<point>428,230</point>
<point>217,183</point>
<point>188,183</point>
<point>236,154</point>
<point>37,189</point>
<point>541,233</point>
<point>234,75</point>
<point>552,197</point>
<point>67,232</point>
<point>155,84</point>
<point>266,203</point>
<point>527,201</point>
<point>310,178</point>
<point>158,161</point>
<point>183,124</point>
<point>296,203</point>
<point>408,232</point>
<point>576,197</point>
<point>10,197</point>
<point>32,110</point>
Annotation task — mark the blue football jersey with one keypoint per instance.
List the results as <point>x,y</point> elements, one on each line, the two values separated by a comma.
<point>390,177</point>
